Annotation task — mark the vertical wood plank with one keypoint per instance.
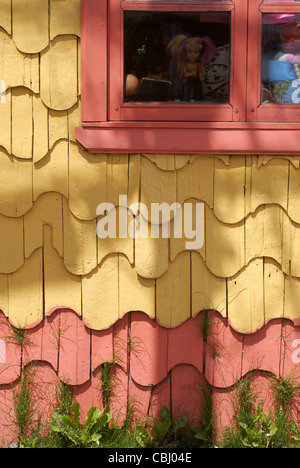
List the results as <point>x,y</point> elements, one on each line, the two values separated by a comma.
<point>74,350</point>
<point>148,360</point>
<point>173,293</point>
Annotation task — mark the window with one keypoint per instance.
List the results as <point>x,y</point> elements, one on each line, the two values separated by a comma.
<point>167,76</point>
<point>275,92</point>
<point>148,60</point>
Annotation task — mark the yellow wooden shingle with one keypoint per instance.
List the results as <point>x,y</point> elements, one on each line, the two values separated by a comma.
<point>51,173</point>
<point>5,123</point>
<point>229,186</point>
<point>47,210</point>
<point>16,68</point>
<point>59,73</point>
<point>80,243</point>
<point>100,295</point>
<point>208,291</point>
<point>5,15</point>
<point>61,10</point>
<point>246,298</point>
<point>135,292</point>
<point>11,244</point>
<point>173,299</point>
<point>15,185</point>
<point>62,289</point>
<point>30,25</point>
<point>87,182</point>
<point>22,124</point>
<point>26,292</point>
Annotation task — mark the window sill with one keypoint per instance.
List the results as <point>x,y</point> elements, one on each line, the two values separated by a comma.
<point>190,137</point>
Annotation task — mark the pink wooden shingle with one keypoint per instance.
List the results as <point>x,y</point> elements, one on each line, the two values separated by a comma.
<point>223,353</point>
<point>262,350</point>
<point>10,367</point>
<point>74,349</point>
<point>149,350</point>
<point>185,344</point>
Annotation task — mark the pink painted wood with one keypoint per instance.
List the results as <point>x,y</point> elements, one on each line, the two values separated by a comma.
<point>223,353</point>
<point>74,350</point>
<point>10,369</point>
<point>149,353</point>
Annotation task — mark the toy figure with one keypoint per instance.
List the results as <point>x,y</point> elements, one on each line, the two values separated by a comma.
<point>191,54</point>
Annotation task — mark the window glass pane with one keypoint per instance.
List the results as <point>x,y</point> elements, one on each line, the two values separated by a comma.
<point>281,58</point>
<point>176,56</point>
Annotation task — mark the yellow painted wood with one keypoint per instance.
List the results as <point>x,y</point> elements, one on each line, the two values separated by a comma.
<point>157,186</point>
<point>26,292</point>
<point>229,186</point>
<point>151,255</point>
<point>166,162</point>
<point>61,10</point>
<point>74,119</point>
<point>225,254</point>
<point>61,287</point>
<point>263,233</point>
<point>116,178</point>
<point>4,306</point>
<point>18,69</point>
<point>59,73</point>
<point>135,292</point>
<point>178,245</point>
<point>5,123</point>
<point>208,291</point>
<point>100,295</point>
<point>294,199</point>
<point>122,243</point>
<point>290,247</point>
<point>51,173</point>
<point>173,293</point>
<point>5,15</point>
<point>40,127</point>
<point>195,180</point>
<point>246,298</point>
<point>87,182</point>
<point>181,160</point>
<point>15,185</point>
<point>80,243</point>
<point>291,297</point>
<point>30,25</point>
<point>22,124</point>
<point>47,210</point>
<point>269,183</point>
<point>274,290</point>
<point>57,126</point>
<point>11,244</point>
<point>134,177</point>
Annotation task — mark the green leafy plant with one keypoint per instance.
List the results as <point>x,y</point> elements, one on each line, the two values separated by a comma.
<point>164,431</point>
<point>260,433</point>
<point>87,435</point>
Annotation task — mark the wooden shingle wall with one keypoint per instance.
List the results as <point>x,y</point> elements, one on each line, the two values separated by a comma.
<point>52,264</point>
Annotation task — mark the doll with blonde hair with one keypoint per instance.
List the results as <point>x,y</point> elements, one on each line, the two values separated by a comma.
<point>191,54</point>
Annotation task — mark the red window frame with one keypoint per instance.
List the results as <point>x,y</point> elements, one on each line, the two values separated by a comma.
<point>174,111</point>
<point>248,127</point>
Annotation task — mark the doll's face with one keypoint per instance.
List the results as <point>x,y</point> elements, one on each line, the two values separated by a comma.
<point>193,52</point>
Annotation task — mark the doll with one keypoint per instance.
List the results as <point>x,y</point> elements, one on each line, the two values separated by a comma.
<point>191,54</point>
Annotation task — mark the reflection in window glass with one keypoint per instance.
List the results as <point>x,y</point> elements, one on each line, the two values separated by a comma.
<point>176,56</point>
<point>281,58</point>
